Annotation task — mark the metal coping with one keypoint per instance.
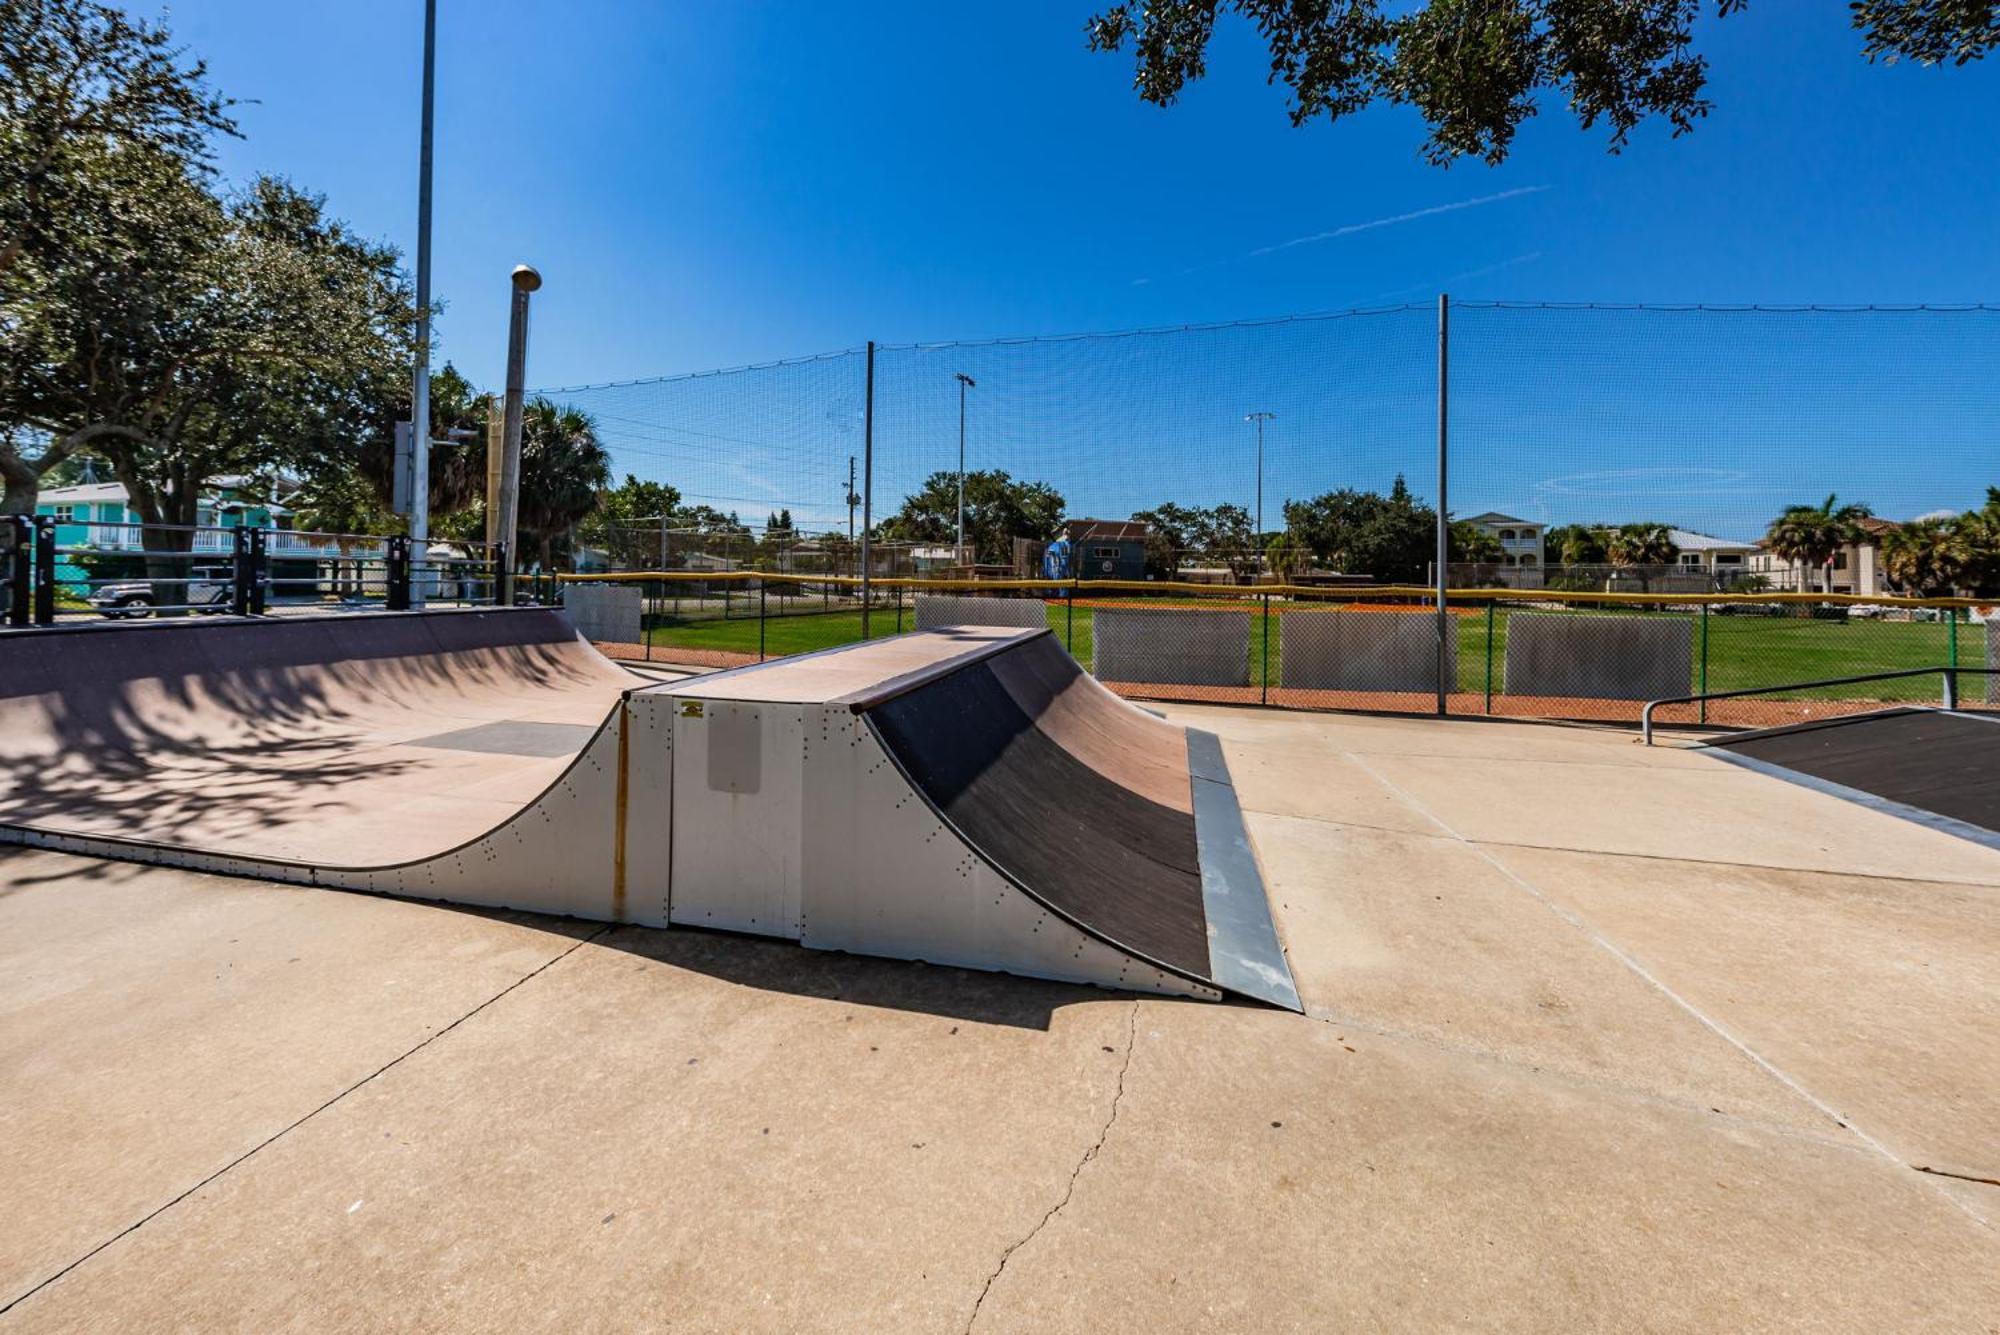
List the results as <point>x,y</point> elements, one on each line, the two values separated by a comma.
<point>1245,955</point>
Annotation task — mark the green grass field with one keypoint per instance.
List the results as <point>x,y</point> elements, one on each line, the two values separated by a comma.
<point>1741,651</point>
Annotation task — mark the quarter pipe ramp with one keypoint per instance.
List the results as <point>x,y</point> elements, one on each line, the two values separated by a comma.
<point>964,796</point>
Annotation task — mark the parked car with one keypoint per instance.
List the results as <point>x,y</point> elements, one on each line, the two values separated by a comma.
<point>208,590</point>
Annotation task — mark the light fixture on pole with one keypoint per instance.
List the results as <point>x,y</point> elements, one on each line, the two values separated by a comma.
<point>965,382</point>
<point>1259,418</point>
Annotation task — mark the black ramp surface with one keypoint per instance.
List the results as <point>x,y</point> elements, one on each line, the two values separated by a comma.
<point>1928,761</point>
<point>1124,868</point>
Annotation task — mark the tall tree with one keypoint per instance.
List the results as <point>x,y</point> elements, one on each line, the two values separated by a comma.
<point>632,523</point>
<point>998,509</point>
<point>1926,557</point>
<point>1475,69</point>
<point>104,127</point>
<point>563,468</point>
<point>1576,544</point>
<point>1811,535</point>
<point>1393,537</point>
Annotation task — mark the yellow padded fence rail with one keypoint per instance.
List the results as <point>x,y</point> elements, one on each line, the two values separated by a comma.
<point>1362,593</point>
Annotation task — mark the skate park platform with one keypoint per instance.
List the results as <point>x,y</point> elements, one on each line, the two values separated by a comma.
<point>1596,1037</point>
<point>964,796</point>
<point>1939,767</point>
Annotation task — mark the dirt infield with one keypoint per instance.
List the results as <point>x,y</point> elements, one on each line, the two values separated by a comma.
<point>1750,713</point>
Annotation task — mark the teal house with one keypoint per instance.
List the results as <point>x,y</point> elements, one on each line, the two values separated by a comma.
<point>98,516</point>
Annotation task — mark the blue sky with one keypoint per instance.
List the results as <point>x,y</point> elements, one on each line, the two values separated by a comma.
<point>708,185</point>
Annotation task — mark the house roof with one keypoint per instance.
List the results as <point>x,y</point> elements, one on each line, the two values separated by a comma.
<point>83,492</point>
<point>1106,530</point>
<point>1687,540</point>
<point>1495,517</point>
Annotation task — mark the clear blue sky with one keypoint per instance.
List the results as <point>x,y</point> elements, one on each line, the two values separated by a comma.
<point>705,185</point>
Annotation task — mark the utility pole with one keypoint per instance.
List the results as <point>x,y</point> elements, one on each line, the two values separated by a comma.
<point>1444,629</point>
<point>1259,418</point>
<point>525,280</point>
<point>420,382</point>
<point>965,382</point>
<point>867,482</point>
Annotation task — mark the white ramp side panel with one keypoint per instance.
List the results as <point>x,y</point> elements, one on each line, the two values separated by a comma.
<point>884,876</point>
<point>736,816</point>
<point>648,826</point>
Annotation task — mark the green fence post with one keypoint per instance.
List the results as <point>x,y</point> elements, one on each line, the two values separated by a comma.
<point>760,620</point>
<point>1702,688</point>
<point>1951,657</point>
<point>1069,616</point>
<point>1491,603</point>
<point>1264,657</point>
<point>899,609</point>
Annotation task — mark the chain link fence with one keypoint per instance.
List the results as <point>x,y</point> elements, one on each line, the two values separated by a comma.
<point>1251,511</point>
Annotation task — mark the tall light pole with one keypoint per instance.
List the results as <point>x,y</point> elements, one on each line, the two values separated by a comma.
<point>965,382</point>
<point>420,383</point>
<point>1259,418</point>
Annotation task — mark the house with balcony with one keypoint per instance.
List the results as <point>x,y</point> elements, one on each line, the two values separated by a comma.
<point>1520,539</point>
<point>1855,568</point>
<point>1723,560</point>
<point>95,518</point>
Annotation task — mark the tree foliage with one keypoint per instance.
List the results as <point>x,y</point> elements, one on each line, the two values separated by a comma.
<point>1179,534</point>
<point>998,509</point>
<point>1392,538</point>
<point>563,469</point>
<point>1476,69</point>
<point>1812,534</point>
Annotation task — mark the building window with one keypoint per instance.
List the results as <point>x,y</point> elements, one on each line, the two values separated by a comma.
<point>1105,553</point>
<point>65,514</point>
<point>1728,559</point>
<point>1690,558</point>
<point>1527,560</point>
<point>1506,535</point>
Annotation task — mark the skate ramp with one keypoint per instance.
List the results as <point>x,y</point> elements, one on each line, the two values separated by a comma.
<point>966,796</point>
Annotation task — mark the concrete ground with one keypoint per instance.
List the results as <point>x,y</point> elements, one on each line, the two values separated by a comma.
<point>1600,1037</point>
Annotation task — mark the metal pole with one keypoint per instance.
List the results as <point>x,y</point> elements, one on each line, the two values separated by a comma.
<point>965,382</point>
<point>1259,418</point>
<point>1491,604</point>
<point>1703,687</point>
<point>867,481</point>
<point>420,383</point>
<point>525,281</point>
<point>1443,511</point>
<point>850,498</point>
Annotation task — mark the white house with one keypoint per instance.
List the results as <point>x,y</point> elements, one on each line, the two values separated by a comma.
<point>1520,539</point>
<point>1722,558</point>
<point>1856,567</point>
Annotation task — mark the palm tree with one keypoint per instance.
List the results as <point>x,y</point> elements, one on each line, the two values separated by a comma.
<point>1639,545</point>
<point>1813,534</point>
<point>563,468</point>
<point>1927,557</point>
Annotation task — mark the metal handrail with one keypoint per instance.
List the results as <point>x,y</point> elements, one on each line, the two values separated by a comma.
<point>1949,672</point>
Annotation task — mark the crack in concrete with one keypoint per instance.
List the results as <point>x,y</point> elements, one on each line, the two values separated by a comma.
<point>1103,1132</point>
<point>286,1130</point>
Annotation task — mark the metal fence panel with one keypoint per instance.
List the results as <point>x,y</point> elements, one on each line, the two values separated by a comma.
<point>1586,656</point>
<point>939,609</point>
<point>1362,651</point>
<point>1171,646</point>
<point>607,613</point>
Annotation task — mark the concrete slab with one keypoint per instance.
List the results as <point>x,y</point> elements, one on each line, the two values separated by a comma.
<point>1599,1084</point>
<point>156,1025</point>
<point>1344,1181</point>
<point>1888,1007</point>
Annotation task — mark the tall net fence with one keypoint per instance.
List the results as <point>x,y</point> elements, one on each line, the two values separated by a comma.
<point>1645,501</point>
